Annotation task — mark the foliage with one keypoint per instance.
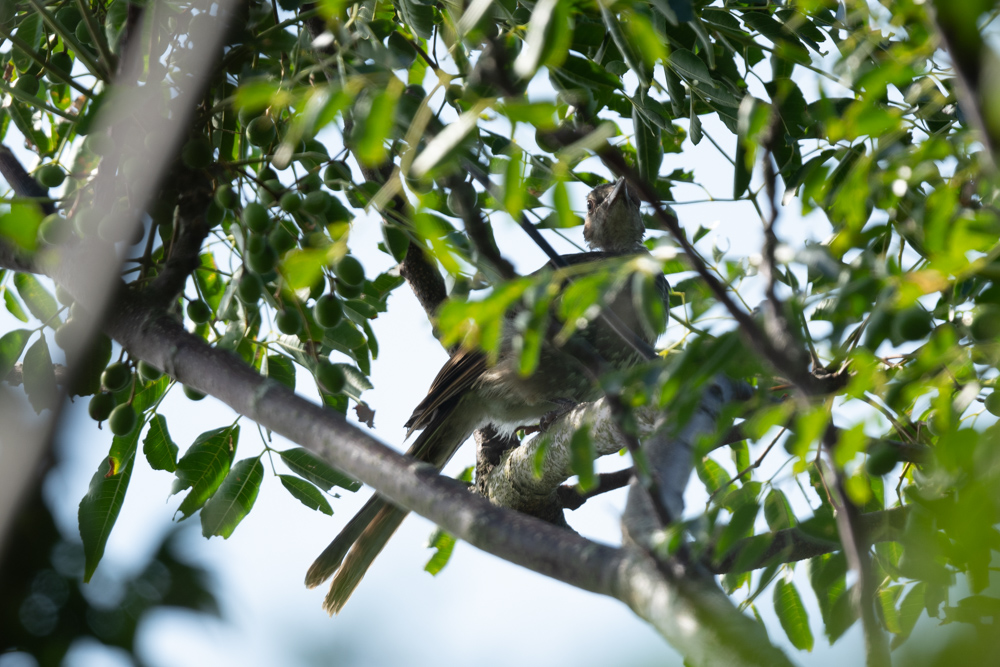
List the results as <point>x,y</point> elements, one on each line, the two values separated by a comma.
<point>845,111</point>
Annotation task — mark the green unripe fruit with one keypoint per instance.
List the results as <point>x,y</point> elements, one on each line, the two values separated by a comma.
<point>310,183</point>
<point>316,203</point>
<point>992,403</point>
<point>87,222</point>
<point>50,175</point>
<point>59,61</point>
<point>349,270</point>
<point>348,291</point>
<point>271,192</point>
<point>69,333</point>
<point>116,376</point>
<point>214,214</point>
<point>261,131</point>
<point>289,321</point>
<point>986,324</point>
<point>63,295</point>
<point>193,394</point>
<point>54,228</point>
<point>101,406</point>
<point>882,458</point>
<point>263,261</point>
<point>281,239</point>
<point>911,324</point>
<point>328,311</point>
<point>338,173</point>
<point>69,17</point>
<point>255,244</point>
<point>225,197</point>
<point>27,84</point>
<point>290,202</point>
<point>255,217</point>
<point>247,114</point>
<point>250,288</point>
<point>148,372</point>
<point>197,153</point>
<point>330,377</point>
<point>83,34</point>
<point>199,311</point>
<point>122,420</point>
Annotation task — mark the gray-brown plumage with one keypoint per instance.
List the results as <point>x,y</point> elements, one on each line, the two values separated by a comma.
<point>468,393</point>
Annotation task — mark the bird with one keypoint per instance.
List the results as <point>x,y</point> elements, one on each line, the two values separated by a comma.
<point>469,392</point>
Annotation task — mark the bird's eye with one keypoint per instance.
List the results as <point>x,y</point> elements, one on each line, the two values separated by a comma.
<point>590,204</point>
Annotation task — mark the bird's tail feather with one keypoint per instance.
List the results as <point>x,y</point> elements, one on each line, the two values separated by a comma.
<point>352,552</point>
<point>331,558</point>
<point>369,545</point>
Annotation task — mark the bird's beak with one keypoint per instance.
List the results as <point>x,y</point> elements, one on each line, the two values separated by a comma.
<point>618,191</point>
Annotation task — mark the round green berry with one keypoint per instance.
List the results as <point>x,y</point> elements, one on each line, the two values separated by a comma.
<point>50,175</point>
<point>261,131</point>
<point>148,372</point>
<point>328,311</point>
<point>122,419</point>
<point>289,321</point>
<point>290,202</point>
<point>330,377</point>
<point>199,311</point>
<point>193,394</point>
<point>116,376</point>
<point>197,153</point>
<point>250,288</point>
<point>255,217</point>
<point>101,406</point>
<point>349,270</point>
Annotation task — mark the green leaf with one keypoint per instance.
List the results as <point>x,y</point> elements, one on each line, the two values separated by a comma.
<point>309,466</point>
<point>633,61</point>
<point>740,526</point>
<point>741,174</point>
<point>792,614</point>
<point>306,493</point>
<point>547,38</point>
<point>690,67</point>
<point>416,15</point>
<point>444,544</point>
<point>282,369</point>
<point>20,224</point>
<point>778,511</point>
<point>11,346</point>
<point>712,475</point>
<point>204,466</point>
<point>578,72</point>
<point>302,268</point>
<point>234,499</point>
<point>13,305</point>
<point>375,127</point>
<point>513,193</point>
<point>41,304</point>
<point>40,376</point>
<point>160,450</point>
<point>99,509</point>
<point>581,450</point>
<point>828,578</point>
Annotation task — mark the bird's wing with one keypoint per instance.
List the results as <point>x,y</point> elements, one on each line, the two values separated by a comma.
<point>455,378</point>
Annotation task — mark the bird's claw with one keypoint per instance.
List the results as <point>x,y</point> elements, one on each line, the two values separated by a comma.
<point>563,406</point>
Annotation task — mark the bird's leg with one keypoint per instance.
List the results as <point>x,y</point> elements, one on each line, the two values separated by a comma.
<point>563,406</point>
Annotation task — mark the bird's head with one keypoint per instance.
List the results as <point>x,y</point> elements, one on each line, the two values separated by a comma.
<point>613,222</point>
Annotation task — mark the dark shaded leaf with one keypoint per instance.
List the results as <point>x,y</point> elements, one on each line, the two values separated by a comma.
<point>159,449</point>
<point>306,493</point>
<point>234,499</point>
<point>40,376</point>
<point>309,466</point>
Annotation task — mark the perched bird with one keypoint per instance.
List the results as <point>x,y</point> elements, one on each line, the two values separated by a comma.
<point>469,393</point>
